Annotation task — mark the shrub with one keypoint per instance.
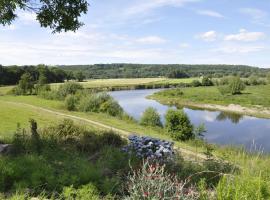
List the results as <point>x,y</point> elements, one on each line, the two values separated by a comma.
<point>236,85</point>
<point>112,108</point>
<point>196,83</point>
<point>71,102</point>
<point>151,117</point>
<point>150,148</point>
<point>178,125</point>
<point>206,81</point>
<point>224,89</point>
<point>89,104</point>
<point>88,191</point>
<point>153,182</point>
<point>68,88</point>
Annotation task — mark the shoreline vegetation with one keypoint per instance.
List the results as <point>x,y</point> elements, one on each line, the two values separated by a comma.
<point>251,102</point>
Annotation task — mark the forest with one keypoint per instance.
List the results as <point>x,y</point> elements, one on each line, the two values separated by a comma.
<point>10,75</point>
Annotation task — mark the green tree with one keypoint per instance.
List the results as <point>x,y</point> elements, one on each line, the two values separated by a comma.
<point>26,84</point>
<point>151,117</point>
<point>79,76</point>
<point>178,125</point>
<point>206,81</point>
<point>236,85</point>
<point>58,15</point>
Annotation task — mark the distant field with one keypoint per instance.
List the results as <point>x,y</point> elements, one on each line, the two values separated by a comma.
<point>95,83</point>
<point>5,89</point>
<point>251,96</point>
<point>175,81</point>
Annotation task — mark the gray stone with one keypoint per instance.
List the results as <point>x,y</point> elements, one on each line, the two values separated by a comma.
<point>5,148</point>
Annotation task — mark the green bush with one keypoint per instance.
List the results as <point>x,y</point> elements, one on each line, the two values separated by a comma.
<point>71,102</point>
<point>206,81</point>
<point>178,125</point>
<point>84,192</point>
<point>89,104</point>
<point>68,88</point>
<point>111,107</point>
<point>151,117</point>
<point>196,83</point>
<point>236,85</point>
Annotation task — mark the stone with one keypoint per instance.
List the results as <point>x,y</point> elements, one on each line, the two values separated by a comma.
<point>5,148</point>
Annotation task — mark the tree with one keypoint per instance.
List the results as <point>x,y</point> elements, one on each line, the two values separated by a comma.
<point>206,81</point>
<point>236,85</point>
<point>178,125</point>
<point>79,76</point>
<point>151,117</point>
<point>26,84</point>
<point>58,15</point>
<point>177,74</point>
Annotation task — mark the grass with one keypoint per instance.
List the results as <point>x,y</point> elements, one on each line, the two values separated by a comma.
<point>12,114</point>
<point>255,173</point>
<point>5,89</point>
<point>97,83</point>
<point>252,96</point>
<point>128,126</point>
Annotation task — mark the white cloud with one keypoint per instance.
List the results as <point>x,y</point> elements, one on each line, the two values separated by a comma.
<point>184,45</point>
<point>240,49</point>
<point>245,36</point>
<point>9,28</point>
<point>208,36</point>
<point>27,17</point>
<point>149,5</point>
<point>151,40</point>
<point>257,16</point>
<point>254,13</point>
<point>210,13</point>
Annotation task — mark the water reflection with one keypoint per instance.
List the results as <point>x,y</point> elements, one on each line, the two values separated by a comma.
<point>222,127</point>
<point>233,117</point>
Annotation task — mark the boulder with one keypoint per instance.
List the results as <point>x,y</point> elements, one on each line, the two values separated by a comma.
<point>5,148</point>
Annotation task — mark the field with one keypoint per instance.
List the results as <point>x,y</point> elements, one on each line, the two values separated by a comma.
<point>103,83</point>
<point>254,168</point>
<point>252,96</point>
<point>5,89</point>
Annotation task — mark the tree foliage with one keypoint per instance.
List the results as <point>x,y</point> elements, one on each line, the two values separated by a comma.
<point>178,125</point>
<point>151,117</point>
<point>236,85</point>
<point>58,15</point>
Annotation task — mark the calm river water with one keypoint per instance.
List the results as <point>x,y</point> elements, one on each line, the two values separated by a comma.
<point>222,128</point>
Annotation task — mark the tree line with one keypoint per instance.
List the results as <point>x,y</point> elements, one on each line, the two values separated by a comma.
<point>42,74</point>
<point>158,70</point>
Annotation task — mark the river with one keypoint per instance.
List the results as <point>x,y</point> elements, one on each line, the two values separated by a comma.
<point>222,128</point>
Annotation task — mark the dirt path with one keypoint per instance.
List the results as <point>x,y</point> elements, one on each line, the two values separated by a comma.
<point>184,152</point>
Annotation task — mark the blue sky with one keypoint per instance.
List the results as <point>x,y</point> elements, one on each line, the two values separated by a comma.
<point>148,31</point>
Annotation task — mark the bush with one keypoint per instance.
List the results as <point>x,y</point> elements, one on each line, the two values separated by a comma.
<point>196,83</point>
<point>153,182</point>
<point>71,102</point>
<point>224,89</point>
<point>206,81</point>
<point>89,104</point>
<point>68,88</point>
<point>178,125</point>
<point>112,108</point>
<point>88,191</point>
<point>151,117</point>
<point>236,85</point>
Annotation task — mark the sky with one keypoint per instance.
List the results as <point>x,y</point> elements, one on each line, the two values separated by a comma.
<point>147,31</point>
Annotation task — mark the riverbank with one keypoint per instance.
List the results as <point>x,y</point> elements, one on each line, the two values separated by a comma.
<point>255,100</point>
